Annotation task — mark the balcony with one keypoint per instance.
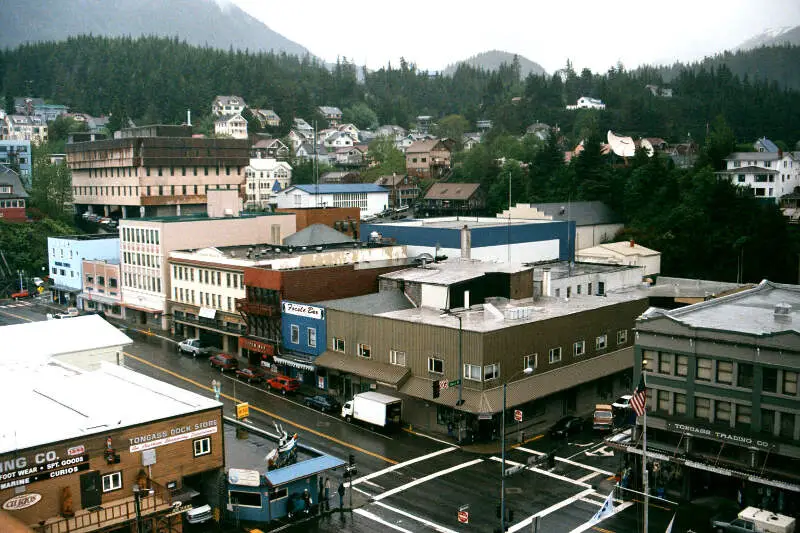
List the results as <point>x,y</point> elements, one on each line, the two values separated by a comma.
<point>255,308</point>
<point>211,324</point>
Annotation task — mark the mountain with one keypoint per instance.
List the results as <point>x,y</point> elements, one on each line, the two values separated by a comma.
<point>216,24</point>
<point>773,37</point>
<point>492,60</point>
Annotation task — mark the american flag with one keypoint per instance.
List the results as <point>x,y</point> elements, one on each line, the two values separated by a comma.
<point>639,399</point>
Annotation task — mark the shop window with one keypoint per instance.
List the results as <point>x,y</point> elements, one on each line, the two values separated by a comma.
<point>769,380</point>
<point>278,494</point>
<point>365,351</point>
<point>472,372</point>
<point>725,372</point>
<point>722,412</point>
<point>745,375</point>
<point>312,337</point>
<point>295,337</point>
<point>664,363</point>
<point>245,499</point>
<point>491,372</point>
<point>112,481</point>
<point>663,401</point>
<point>396,357</point>
<point>702,408</point>
<point>703,368</point>
<point>202,446</point>
<point>555,355</point>
<point>787,425</point>
<point>790,383</point>
<point>679,404</point>
<point>435,365</point>
<point>579,348</point>
<point>743,416</point>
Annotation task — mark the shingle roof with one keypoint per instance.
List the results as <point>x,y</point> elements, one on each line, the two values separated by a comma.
<point>452,191</point>
<point>582,213</point>
<point>227,100</point>
<point>330,110</point>
<point>334,188</point>
<point>9,177</point>
<point>768,145</point>
<point>753,156</point>
<point>423,146</point>
<point>316,235</point>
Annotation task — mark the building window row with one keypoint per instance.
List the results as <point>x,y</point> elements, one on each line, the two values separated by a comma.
<point>206,299</point>
<point>141,235</point>
<point>142,282</point>
<point>209,277</point>
<point>142,259</point>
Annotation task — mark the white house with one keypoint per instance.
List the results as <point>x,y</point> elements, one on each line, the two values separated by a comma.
<point>586,102</point>
<point>298,137</point>
<point>769,174</point>
<point>351,130</point>
<point>25,128</point>
<point>264,178</point>
<point>227,105</point>
<point>623,253</point>
<point>370,198</point>
<point>338,140</point>
<point>232,125</point>
<point>65,257</point>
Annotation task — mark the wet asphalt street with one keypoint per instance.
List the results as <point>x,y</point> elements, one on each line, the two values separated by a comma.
<point>406,482</point>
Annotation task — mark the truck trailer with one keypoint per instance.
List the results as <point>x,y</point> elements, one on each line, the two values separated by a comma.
<point>375,409</point>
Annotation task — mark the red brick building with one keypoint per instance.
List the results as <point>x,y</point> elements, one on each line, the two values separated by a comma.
<point>13,196</point>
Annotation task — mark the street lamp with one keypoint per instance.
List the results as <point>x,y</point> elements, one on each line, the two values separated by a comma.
<point>526,371</point>
<point>138,492</point>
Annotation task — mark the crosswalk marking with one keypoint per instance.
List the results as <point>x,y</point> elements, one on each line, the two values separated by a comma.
<point>426,478</point>
<point>378,519</point>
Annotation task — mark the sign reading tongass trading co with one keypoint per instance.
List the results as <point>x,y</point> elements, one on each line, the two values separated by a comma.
<point>22,501</point>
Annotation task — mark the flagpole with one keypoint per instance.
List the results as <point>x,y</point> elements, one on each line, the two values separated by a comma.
<point>645,487</point>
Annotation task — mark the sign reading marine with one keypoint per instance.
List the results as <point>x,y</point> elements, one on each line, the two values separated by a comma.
<point>308,311</point>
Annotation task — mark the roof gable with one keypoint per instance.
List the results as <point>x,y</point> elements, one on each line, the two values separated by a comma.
<point>452,191</point>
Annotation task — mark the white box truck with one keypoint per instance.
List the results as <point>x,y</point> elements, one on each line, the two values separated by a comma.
<point>756,520</point>
<point>373,408</point>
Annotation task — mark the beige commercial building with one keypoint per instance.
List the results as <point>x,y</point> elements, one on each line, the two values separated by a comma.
<point>153,171</point>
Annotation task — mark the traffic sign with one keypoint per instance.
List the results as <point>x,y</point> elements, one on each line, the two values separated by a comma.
<point>443,384</point>
<point>454,383</point>
<point>242,410</point>
<point>463,514</point>
<point>518,415</point>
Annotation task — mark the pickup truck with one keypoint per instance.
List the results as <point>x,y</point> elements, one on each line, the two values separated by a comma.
<point>193,347</point>
<point>753,519</point>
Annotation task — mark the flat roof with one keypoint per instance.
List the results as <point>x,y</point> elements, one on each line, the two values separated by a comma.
<point>91,237</point>
<point>265,251</point>
<point>750,311</point>
<point>197,217</point>
<point>692,288</point>
<point>460,222</point>
<point>565,269</point>
<point>453,271</point>
<point>370,304</point>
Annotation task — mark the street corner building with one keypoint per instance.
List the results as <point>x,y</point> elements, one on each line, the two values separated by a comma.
<point>88,445</point>
<point>723,400</point>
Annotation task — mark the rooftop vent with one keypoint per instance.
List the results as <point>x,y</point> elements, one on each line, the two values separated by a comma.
<point>783,312</point>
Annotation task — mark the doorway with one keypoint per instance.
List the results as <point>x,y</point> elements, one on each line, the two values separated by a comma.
<point>90,489</point>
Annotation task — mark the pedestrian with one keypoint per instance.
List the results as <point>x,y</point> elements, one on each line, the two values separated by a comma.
<point>319,492</point>
<point>340,490</point>
<point>306,501</point>
<point>740,498</point>
<point>327,494</point>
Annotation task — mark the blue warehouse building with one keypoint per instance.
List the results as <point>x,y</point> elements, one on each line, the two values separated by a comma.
<point>486,239</point>
<point>303,338</point>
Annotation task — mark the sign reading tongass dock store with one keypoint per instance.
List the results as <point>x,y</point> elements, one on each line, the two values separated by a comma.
<point>25,469</point>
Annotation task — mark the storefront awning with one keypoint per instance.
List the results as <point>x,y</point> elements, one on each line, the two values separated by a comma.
<point>207,312</point>
<point>389,375</point>
<point>92,297</point>
<point>142,308</point>
<point>302,365</point>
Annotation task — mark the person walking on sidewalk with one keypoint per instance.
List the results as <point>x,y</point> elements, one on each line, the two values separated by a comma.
<point>340,490</point>
<point>327,494</point>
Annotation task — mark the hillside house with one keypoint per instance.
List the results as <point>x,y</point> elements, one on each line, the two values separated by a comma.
<point>769,175</point>
<point>427,159</point>
<point>234,126</point>
<point>12,196</point>
<point>332,114</point>
<point>586,102</point>
<point>403,190</point>
<point>455,197</point>
<point>267,117</point>
<point>227,105</point>
<point>273,148</point>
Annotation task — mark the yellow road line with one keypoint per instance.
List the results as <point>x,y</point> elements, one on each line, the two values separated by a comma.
<point>654,505</point>
<point>263,411</point>
<point>601,530</point>
<point>526,441</point>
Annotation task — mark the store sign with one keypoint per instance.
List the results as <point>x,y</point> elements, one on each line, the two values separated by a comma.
<point>724,436</point>
<point>308,311</point>
<point>20,471</point>
<point>76,450</point>
<point>22,501</point>
<point>247,478</point>
<point>256,346</point>
<point>177,434</point>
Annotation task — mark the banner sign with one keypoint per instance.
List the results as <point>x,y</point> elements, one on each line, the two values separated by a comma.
<point>162,438</point>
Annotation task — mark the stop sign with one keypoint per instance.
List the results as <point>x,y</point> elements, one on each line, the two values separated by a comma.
<point>463,517</point>
<point>517,415</point>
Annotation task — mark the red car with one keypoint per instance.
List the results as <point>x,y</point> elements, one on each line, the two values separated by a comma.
<point>250,374</point>
<point>283,384</point>
<point>224,362</point>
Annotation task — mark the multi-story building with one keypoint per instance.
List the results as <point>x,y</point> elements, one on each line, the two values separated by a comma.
<point>565,279</point>
<point>332,114</point>
<point>227,105</point>
<point>102,288</point>
<point>769,175</point>
<point>264,179</point>
<point>400,341</point>
<point>455,198</point>
<point>267,117</point>
<point>369,198</point>
<point>17,154</point>
<point>723,402</point>
<point>26,128</point>
<point>146,243</point>
<point>403,190</point>
<point>113,449</point>
<point>427,159</point>
<point>37,107</point>
<point>153,171</point>
<point>66,255</point>
<point>12,196</point>
<point>234,126</point>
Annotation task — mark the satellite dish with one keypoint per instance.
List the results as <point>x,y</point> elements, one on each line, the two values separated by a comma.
<point>647,147</point>
<point>622,146</point>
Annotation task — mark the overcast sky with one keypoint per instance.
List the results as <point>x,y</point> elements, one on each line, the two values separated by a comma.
<point>594,34</point>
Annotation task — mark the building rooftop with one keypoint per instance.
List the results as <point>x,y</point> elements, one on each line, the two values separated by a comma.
<point>565,269</point>
<point>452,191</point>
<point>460,222</point>
<point>317,235</point>
<point>767,309</point>
<point>9,177</point>
<point>370,304</point>
<point>195,217</point>
<point>621,247</point>
<point>692,288</point>
<point>339,188</point>
<point>583,213</point>
<point>453,271</point>
<point>91,237</point>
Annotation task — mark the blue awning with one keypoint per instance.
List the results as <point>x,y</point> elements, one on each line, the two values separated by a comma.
<point>302,470</point>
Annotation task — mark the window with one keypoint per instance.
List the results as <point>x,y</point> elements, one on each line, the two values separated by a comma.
<point>491,372</point>
<point>787,425</point>
<point>89,278</point>
<point>622,336</point>
<point>743,416</point>
<point>530,361</point>
<point>472,372</point>
<point>569,292</point>
<point>679,403</point>
<point>681,365</point>
<point>245,499</point>
<point>112,481</point>
<point>789,383</point>
<point>555,355</point>
<point>662,401</point>
<point>702,408</point>
<point>202,446</point>
<point>601,342</point>
<point>768,421</point>
<point>769,379</point>
<point>589,289</point>
<point>725,372</point>
<point>435,365</point>
<point>703,366</point>
<point>338,345</point>
<point>364,351</point>
<point>312,337</point>
<point>579,289</point>
<point>558,293</point>
<point>722,413</point>
<point>579,348</point>
<point>648,360</point>
<point>745,375</point>
<point>664,363</point>
<point>295,334</point>
<point>396,357</point>
<point>278,494</point>
<point>601,288</point>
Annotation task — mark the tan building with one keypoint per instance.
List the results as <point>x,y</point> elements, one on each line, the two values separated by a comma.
<point>427,159</point>
<point>153,171</point>
<point>102,288</point>
<point>623,253</point>
<point>104,438</point>
<point>146,243</point>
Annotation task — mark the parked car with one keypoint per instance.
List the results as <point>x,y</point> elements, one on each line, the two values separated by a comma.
<point>566,427</point>
<point>623,402</point>
<point>368,218</point>
<point>224,361</point>
<point>250,374</point>
<point>284,384</point>
<point>193,346</point>
<point>323,402</point>
<point>20,294</point>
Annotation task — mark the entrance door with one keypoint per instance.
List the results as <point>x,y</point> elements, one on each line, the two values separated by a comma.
<point>90,489</point>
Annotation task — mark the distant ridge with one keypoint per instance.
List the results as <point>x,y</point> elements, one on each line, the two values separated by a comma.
<point>213,23</point>
<point>773,37</point>
<point>492,60</point>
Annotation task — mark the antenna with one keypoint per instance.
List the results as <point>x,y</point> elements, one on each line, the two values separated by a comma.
<point>622,146</point>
